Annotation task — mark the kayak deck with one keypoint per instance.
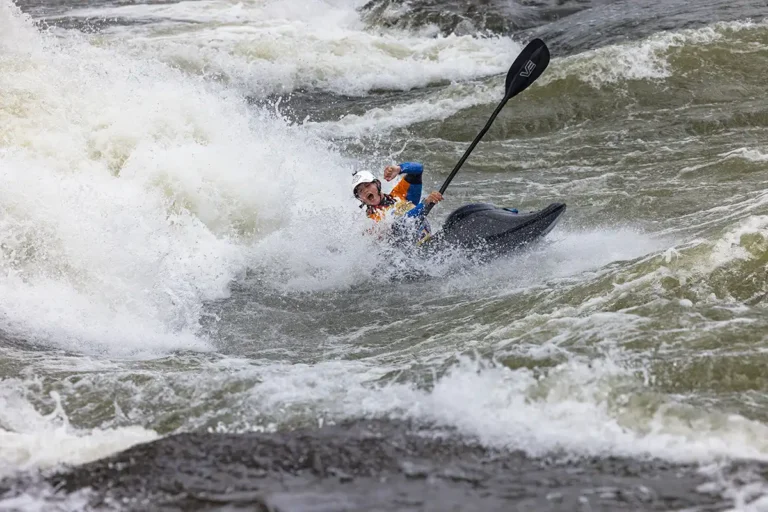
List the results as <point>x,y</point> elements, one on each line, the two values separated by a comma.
<point>489,229</point>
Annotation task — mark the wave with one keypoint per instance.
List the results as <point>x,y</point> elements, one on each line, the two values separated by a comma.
<point>321,46</point>
<point>132,194</point>
<point>670,72</point>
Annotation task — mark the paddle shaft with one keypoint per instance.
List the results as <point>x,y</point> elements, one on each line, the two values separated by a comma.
<point>466,154</point>
<point>527,67</point>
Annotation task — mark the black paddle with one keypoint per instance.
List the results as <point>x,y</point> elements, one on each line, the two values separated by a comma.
<point>528,66</point>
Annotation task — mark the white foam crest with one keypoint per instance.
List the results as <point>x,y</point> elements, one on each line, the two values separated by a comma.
<point>343,254</point>
<point>18,37</point>
<point>751,155</point>
<point>571,251</point>
<point>688,262</point>
<point>332,13</point>
<point>437,107</point>
<point>565,257</point>
<point>729,247</point>
<point>332,250</point>
<point>96,266</point>
<point>640,262</point>
<point>641,60</point>
<point>585,409</point>
<point>573,409</point>
<point>131,194</point>
<point>278,47</point>
<point>46,498</point>
<point>31,441</point>
<point>328,248</point>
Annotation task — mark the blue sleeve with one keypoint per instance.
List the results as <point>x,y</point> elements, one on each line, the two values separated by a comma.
<point>412,171</point>
<point>411,168</point>
<point>415,212</point>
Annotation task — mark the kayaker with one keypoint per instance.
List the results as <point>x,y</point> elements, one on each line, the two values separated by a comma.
<point>404,200</point>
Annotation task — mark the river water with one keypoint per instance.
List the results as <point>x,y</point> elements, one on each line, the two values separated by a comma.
<point>180,250</point>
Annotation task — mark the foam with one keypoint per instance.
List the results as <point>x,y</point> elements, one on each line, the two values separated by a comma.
<point>590,409</point>
<point>646,59</point>
<point>32,441</point>
<point>278,47</point>
<point>750,155</point>
<point>438,106</point>
<point>133,194</point>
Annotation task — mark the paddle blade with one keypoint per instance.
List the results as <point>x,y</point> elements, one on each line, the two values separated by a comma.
<point>528,66</point>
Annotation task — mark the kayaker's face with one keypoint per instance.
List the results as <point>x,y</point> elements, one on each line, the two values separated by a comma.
<point>368,193</point>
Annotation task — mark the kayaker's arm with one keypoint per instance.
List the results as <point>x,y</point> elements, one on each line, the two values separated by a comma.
<point>409,187</point>
<point>418,210</point>
<point>412,171</point>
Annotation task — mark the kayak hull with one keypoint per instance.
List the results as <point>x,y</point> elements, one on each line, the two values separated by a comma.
<point>492,230</point>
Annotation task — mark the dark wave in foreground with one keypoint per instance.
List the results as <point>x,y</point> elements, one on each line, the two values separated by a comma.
<point>375,465</point>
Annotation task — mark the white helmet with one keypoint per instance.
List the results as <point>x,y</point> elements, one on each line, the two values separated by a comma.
<point>362,177</point>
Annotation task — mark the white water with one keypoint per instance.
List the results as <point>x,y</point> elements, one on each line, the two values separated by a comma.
<point>30,440</point>
<point>132,193</point>
<point>276,47</point>
<point>648,59</point>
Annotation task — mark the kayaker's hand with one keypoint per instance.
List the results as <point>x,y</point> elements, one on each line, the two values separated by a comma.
<point>391,172</point>
<point>433,197</point>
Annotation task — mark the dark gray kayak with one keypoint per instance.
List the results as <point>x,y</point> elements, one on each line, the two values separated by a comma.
<point>488,229</point>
